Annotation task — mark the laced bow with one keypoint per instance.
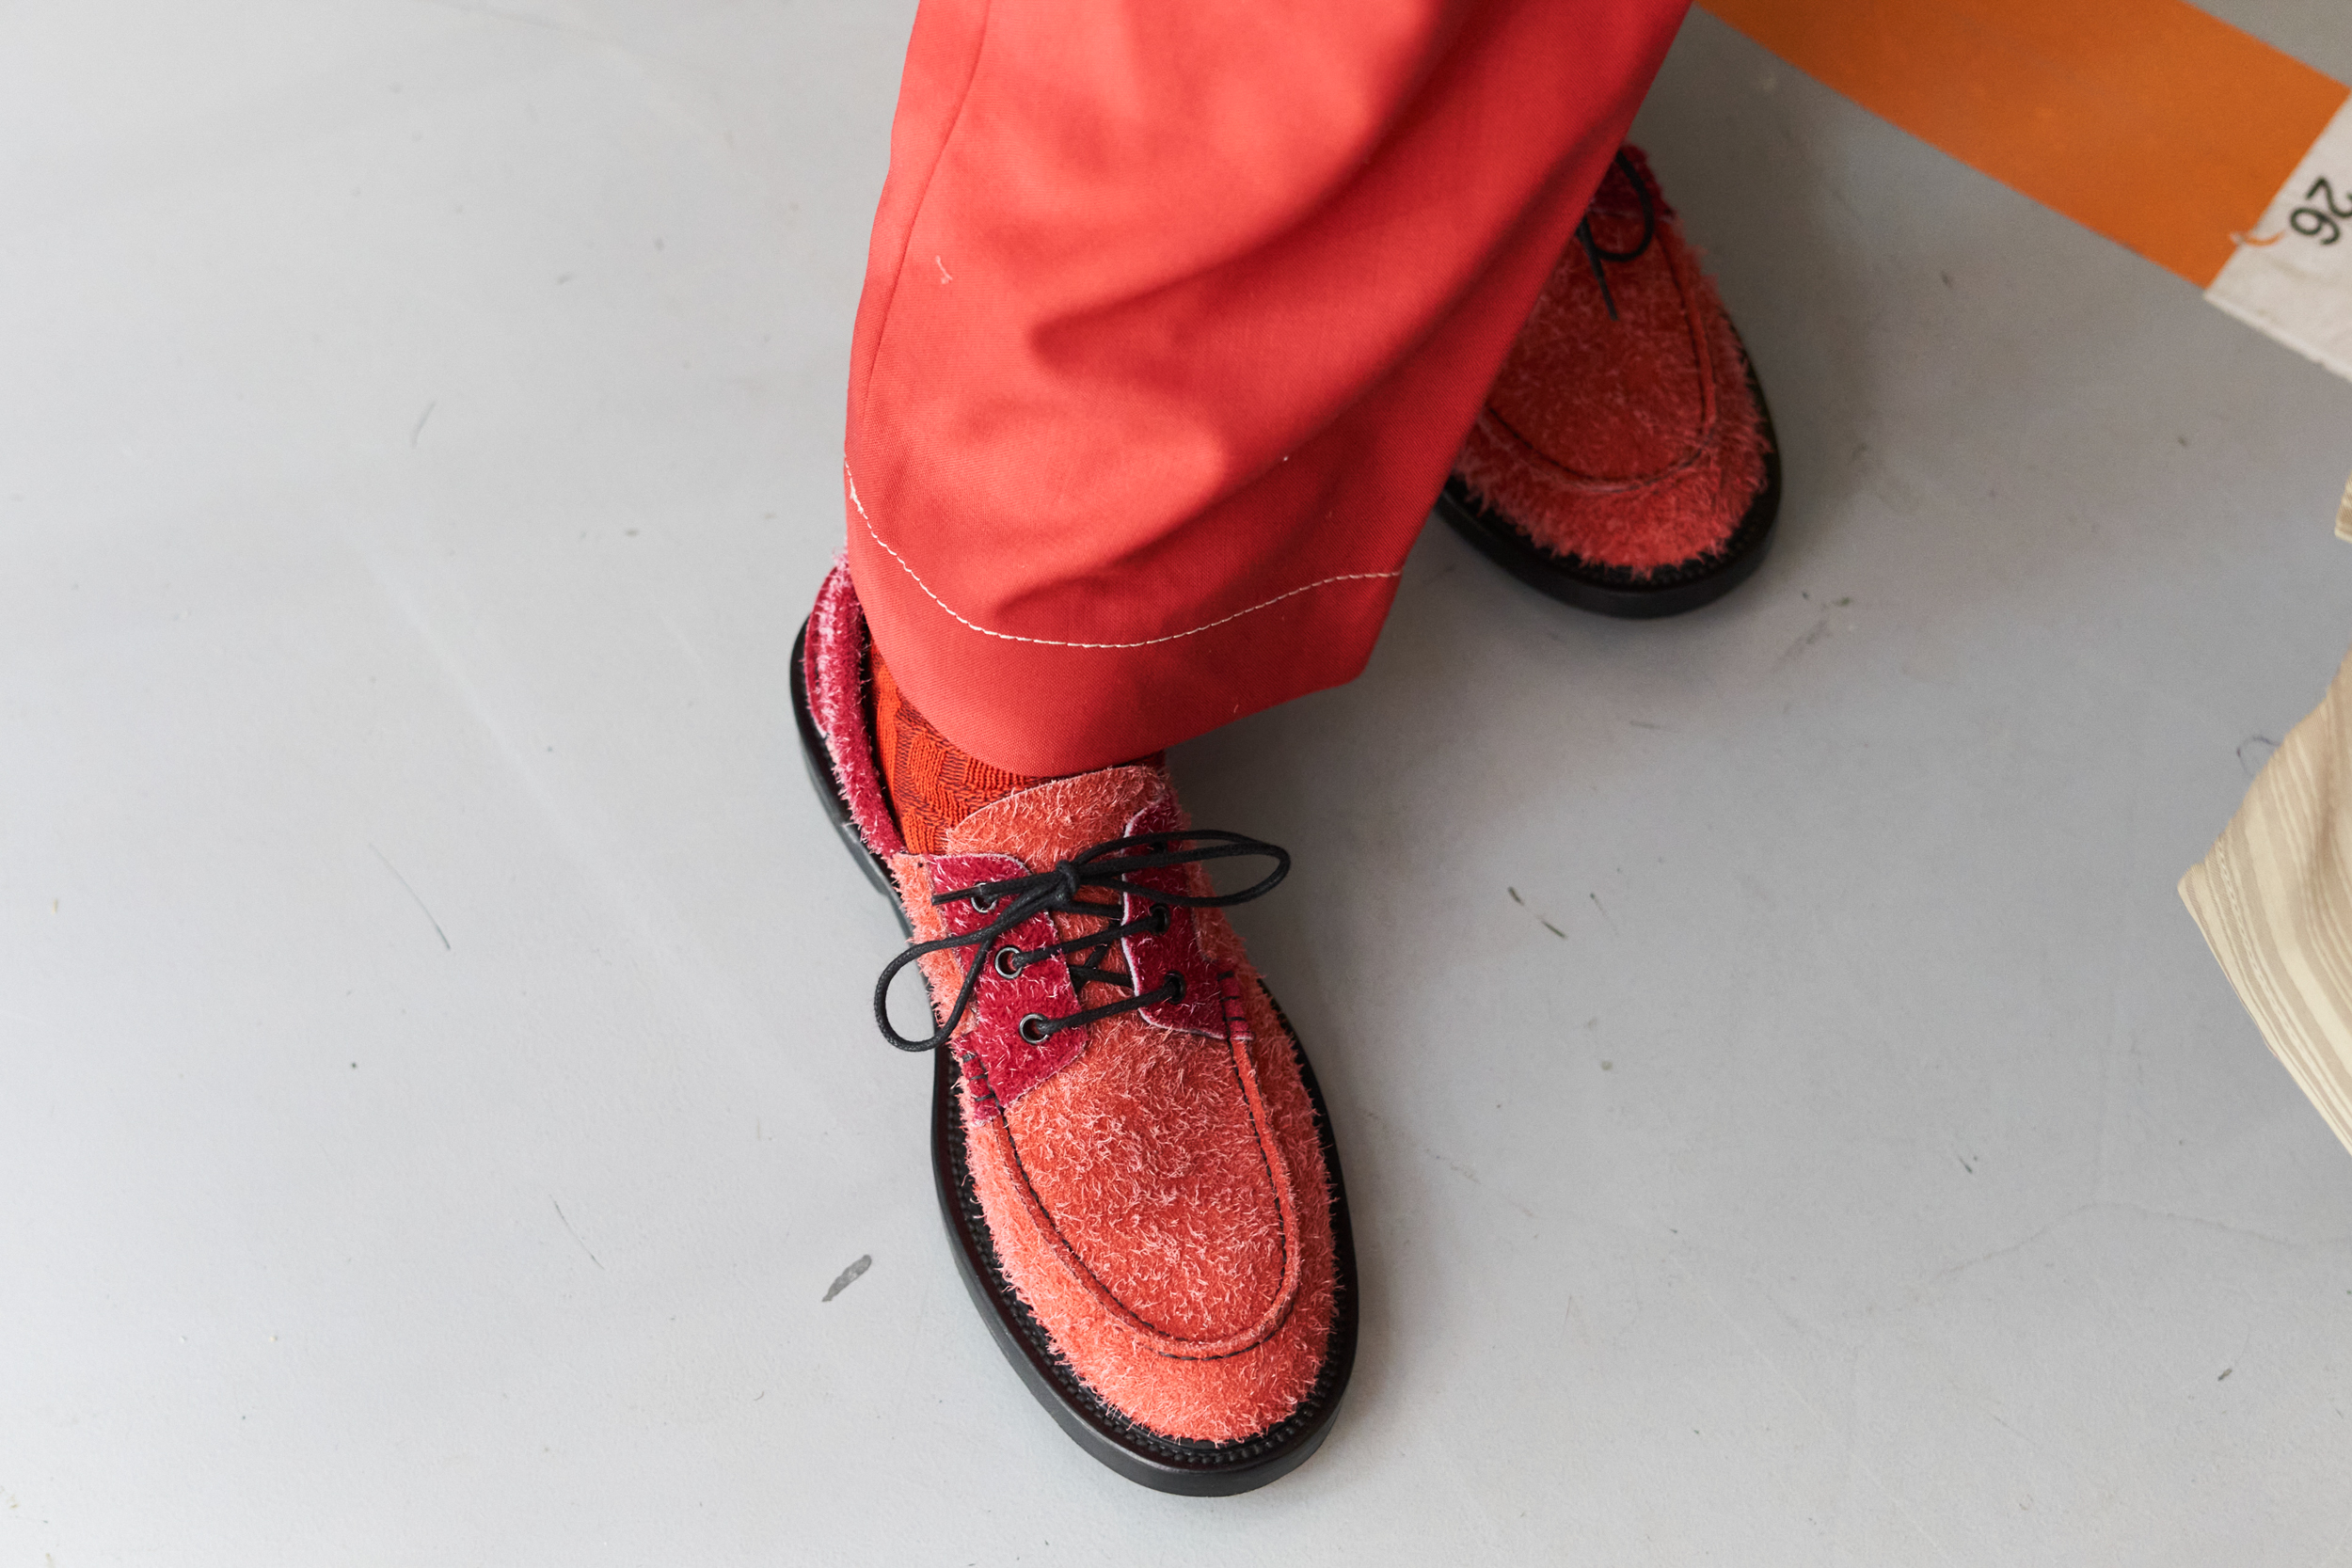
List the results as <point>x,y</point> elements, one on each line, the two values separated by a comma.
<point>1106,865</point>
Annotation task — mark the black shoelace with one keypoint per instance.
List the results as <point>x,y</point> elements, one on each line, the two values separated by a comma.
<point>1106,867</point>
<point>1596,254</point>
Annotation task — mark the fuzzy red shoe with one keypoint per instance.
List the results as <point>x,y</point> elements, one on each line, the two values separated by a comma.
<point>1623,461</point>
<point>1135,1163</point>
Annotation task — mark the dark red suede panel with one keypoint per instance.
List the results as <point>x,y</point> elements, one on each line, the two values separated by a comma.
<point>834,669</point>
<point>1000,1064</point>
<point>1635,442</point>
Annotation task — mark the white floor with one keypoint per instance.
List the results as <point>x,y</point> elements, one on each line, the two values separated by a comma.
<point>436,1084</point>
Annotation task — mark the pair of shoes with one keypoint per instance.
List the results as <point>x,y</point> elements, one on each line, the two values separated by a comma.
<point>1134,1164</point>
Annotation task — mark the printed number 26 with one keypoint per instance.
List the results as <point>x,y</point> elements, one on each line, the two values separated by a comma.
<point>2324,221</point>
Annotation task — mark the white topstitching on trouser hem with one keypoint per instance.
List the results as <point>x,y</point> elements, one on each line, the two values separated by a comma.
<point>1053,642</point>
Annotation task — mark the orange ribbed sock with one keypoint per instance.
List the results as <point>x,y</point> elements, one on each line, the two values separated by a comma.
<point>932,786</point>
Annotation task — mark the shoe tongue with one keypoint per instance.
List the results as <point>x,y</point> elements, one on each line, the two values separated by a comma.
<point>1055,821</point>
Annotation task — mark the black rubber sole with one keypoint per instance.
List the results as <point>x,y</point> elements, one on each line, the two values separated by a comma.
<point>1617,590</point>
<point>1143,1456</point>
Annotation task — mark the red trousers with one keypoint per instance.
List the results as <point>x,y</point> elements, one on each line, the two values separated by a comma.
<point>1174,317</point>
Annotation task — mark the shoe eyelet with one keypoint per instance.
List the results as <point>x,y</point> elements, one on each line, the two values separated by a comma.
<point>983,902</point>
<point>1033,1029</point>
<point>1176,981</point>
<point>1161,915</point>
<point>1008,963</point>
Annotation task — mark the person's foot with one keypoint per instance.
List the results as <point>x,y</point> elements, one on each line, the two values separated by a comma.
<point>1623,461</point>
<point>1136,1166</point>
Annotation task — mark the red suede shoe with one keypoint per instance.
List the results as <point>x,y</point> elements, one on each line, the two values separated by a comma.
<point>1623,461</point>
<point>1134,1164</point>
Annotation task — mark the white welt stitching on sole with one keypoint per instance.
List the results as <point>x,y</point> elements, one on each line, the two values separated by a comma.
<point>1051,642</point>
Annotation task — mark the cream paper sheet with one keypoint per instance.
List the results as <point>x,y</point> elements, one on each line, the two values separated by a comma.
<point>2273,897</point>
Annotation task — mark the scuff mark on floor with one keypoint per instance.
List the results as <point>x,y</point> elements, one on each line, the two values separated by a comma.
<point>1821,629</point>
<point>573,1234</point>
<point>412,893</point>
<point>848,1277</point>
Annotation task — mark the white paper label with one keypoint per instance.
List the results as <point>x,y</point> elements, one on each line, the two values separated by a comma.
<point>2292,276</point>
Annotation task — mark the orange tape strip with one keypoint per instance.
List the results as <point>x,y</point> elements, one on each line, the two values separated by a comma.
<point>2148,121</point>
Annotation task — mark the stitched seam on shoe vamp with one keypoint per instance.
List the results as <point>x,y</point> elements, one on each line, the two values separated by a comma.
<point>1264,1132</point>
<point>1055,642</point>
<point>1585,484</point>
<point>1700,449</point>
<point>1065,1376</point>
<point>1135,1320</point>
